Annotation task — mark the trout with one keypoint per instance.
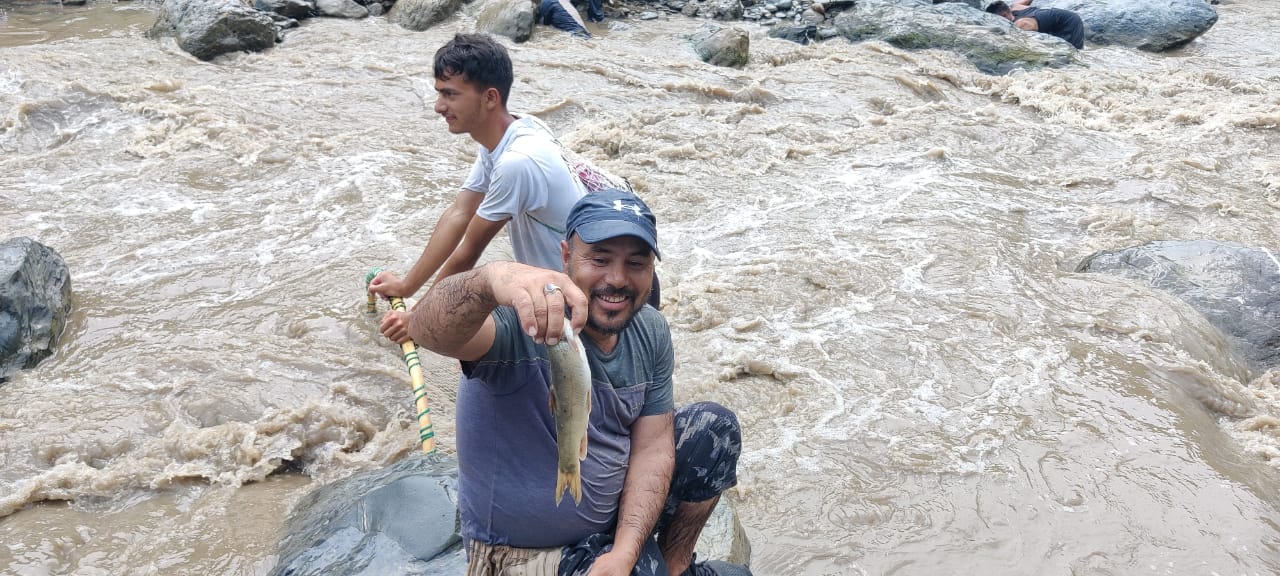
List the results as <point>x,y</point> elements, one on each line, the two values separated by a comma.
<point>570,400</point>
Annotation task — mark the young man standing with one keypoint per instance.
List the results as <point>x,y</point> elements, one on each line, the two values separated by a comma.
<point>652,473</point>
<point>519,178</point>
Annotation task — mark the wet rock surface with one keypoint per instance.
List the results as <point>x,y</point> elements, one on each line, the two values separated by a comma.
<point>1237,288</point>
<point>35,298</point>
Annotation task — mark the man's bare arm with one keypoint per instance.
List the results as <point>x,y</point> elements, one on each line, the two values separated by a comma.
<point>453,318</point>
<point>653,460</point>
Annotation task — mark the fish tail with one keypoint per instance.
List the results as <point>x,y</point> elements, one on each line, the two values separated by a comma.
<point>570,481</point>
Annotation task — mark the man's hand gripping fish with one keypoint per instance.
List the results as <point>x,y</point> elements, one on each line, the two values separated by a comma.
<point>570,399</point>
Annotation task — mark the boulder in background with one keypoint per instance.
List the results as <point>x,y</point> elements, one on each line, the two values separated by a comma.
<point>35,297</point>
<point>209,28</point>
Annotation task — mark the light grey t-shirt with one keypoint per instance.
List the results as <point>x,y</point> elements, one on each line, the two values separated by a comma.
<point>525,179</point>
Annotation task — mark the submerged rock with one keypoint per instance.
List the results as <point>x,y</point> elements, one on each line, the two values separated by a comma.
<point>403,520</point>
<point>35,297</point>
<point>1152,25</point>
<point>209,28</point>
<point>399,520</point>
<point>1237,288</point>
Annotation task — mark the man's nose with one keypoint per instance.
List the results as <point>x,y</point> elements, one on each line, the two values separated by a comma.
<point>439,106</point>
<point>616,275</point>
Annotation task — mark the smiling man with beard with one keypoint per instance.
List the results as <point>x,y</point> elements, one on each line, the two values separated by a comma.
<point>652,474</point>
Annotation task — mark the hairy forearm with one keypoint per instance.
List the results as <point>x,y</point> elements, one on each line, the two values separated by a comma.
<point>645,490</point>
<point>452,311</point>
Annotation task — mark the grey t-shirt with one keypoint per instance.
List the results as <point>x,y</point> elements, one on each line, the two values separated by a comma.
<point>506,434</point>
<point>525,179</point>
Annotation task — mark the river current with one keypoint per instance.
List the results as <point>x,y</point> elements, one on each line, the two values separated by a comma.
<point>868,255</point>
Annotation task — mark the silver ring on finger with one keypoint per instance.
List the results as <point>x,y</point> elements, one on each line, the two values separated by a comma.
<point>549,288</point>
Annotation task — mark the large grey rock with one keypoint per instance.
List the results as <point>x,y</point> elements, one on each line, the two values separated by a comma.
<point>722,46</point>
<point>510,18</point>
<point>1237,288</point>
<point>35,297</point>
<point>403,519</point>
<point>341,9</point>
<point>418,15</point>
<point>1152,25</point>
<point>987,41</point>
<point>209,28</point>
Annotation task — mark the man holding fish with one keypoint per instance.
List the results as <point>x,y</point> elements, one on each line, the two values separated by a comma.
<point>591,417</point>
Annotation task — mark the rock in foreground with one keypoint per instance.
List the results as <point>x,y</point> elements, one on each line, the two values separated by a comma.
<point>403,520</point>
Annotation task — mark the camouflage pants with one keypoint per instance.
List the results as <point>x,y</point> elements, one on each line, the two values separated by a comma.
<point>708,442</point>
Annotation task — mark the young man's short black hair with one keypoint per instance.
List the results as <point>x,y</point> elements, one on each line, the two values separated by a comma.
<point>998,7</point>
<point>479,59</point>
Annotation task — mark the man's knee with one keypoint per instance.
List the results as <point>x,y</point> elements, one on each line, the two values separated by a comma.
<point>708,443</point>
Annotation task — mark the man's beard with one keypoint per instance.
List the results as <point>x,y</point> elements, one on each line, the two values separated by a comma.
<point>616,324</point>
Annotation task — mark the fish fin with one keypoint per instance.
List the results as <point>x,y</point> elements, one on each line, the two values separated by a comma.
<point>582,450</point>
<point>570,482</point>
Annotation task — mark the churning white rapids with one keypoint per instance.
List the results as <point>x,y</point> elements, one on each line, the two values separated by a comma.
<point>868,255</point>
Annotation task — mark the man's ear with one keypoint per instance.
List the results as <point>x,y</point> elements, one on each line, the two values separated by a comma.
<point>564,255</point>
<point>492,98</point>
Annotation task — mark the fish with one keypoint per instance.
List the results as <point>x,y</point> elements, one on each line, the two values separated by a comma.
<point>570,400</point>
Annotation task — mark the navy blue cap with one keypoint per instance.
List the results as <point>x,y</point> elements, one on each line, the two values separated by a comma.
<point>606,214</point>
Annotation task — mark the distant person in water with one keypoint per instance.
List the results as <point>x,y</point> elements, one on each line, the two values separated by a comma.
<point>562,15</point>
<point>1064,24</point>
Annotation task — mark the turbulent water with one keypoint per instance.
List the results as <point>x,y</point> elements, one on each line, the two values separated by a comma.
<point>868,254</point>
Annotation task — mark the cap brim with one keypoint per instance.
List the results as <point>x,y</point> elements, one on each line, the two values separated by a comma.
<point>602,230</point>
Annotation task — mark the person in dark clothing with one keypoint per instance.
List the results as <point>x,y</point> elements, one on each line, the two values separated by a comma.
<point>595,10</point>
<point>1064,24</point>
<point>562,15</point>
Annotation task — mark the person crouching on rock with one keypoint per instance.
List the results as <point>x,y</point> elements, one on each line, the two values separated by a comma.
<point>1064,24</point>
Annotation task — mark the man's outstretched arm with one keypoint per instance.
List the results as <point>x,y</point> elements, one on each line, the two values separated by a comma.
<point>453,318</point>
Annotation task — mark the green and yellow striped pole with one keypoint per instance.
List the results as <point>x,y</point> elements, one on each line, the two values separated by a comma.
<point>410,353</point>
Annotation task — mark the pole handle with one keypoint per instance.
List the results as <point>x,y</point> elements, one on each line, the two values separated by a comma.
<point>409,351</point>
